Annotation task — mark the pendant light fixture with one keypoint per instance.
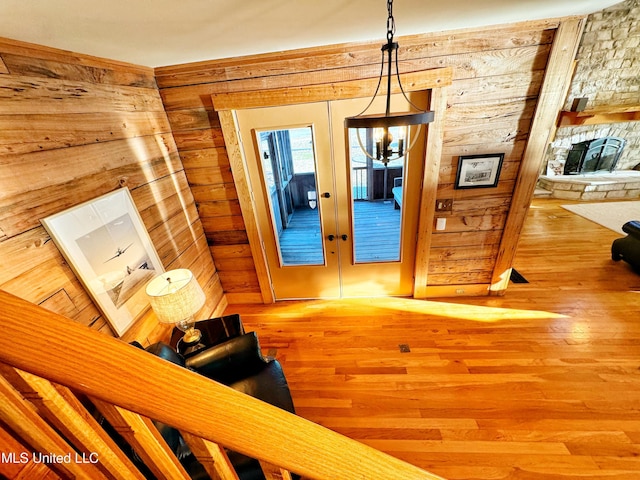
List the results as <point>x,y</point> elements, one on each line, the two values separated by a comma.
<point>384,151</point>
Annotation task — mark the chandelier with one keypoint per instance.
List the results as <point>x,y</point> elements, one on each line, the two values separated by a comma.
<point>384,151</point>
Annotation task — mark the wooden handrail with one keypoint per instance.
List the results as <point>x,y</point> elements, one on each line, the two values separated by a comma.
<point>56,348</point>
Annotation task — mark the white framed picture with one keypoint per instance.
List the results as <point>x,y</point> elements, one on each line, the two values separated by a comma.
<point>107,246</point>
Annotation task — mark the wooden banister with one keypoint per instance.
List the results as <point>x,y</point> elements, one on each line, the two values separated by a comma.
<point>56,348</point>
<point>63,410</point>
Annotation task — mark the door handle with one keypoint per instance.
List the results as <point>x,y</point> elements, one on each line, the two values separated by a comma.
<point>331,238</point>
<point>344,237</point>
<point>326,195</point>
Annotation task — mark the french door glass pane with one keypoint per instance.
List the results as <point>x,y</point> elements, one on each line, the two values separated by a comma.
<point>376,195</point>
<point>289,168</point>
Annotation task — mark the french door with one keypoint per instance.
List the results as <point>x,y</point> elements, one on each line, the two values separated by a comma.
<point>333,222</point>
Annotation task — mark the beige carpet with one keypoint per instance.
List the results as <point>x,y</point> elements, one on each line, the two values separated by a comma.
<point>608,214</point>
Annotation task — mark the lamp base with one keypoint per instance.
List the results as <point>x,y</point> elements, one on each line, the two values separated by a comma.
<point>191,336</point>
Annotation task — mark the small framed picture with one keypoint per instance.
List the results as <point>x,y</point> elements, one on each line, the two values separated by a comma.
<point>107,246</point>
<point>476,171</point>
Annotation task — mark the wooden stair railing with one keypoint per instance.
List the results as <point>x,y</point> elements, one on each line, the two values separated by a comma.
<point>45,357</point>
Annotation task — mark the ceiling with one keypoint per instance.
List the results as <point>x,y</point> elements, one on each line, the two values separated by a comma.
<point>168,32</point>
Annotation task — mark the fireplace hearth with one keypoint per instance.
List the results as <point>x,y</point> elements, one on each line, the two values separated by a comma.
<point>591,156</point>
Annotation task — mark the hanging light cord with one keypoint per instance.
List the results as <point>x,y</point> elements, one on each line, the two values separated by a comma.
<point>389,46</point>
<point>391,22</point>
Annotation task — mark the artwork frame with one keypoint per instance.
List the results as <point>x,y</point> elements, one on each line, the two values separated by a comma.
<point>479,171</point>
<point>106,244</point>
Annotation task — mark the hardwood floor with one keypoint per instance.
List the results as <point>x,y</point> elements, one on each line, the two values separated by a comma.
<point>543,383</point>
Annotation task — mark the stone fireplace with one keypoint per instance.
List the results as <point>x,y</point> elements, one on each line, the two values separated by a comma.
<point>592,156</point>
<point>607,72</point>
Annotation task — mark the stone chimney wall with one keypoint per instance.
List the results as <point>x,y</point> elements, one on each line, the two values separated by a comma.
<point>608,73</point>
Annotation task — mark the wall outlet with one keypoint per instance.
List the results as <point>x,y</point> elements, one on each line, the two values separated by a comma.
<point>444,205</point>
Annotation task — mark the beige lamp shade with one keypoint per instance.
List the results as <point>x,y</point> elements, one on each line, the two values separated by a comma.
<point>175,296</point>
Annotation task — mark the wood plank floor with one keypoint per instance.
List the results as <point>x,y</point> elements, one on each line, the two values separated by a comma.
<point>377,234</point>
<point>543,383</point>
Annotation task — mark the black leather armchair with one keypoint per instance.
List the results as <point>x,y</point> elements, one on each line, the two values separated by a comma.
<point>238,363</point>
<point>628,248</point>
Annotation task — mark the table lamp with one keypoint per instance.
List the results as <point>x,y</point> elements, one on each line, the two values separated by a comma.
<point>176,296</point>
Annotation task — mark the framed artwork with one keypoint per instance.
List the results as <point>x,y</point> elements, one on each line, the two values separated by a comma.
<point>107,246</point>
<point>476,171</point>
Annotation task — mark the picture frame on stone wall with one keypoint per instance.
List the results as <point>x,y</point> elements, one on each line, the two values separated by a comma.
<point>106,244</point>
<point>479,171</point>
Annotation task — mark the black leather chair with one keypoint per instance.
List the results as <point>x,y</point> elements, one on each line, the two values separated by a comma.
<point>238,363</point>
<point>628,248</point>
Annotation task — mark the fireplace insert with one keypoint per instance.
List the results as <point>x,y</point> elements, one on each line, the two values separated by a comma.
<point>594,156</point>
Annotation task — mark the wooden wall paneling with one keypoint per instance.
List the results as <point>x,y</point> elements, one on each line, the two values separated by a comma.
<point>34,95</point>
<point>77,127</point>
<point>206,157</point>
<point>227,237</point>
<point>245,198</point>
<point>335,90</point>
<point>214,192</point>
<point>175,235</point>
<point>497,75</point>
<point>465,66</point>
<point>63,165</point>
<point>513,151</point>
<point>197,139</point>
<point>98,72</point>
<point>552,95</point>
<point>209,175</point>
<point>466,239</point>
<point>27,284</point>
<point>444,254</point>
<point>237,258</point>
<point>74,305</point>
<point>220,209</point>
<point>24,252</point>
<point>525,84</point>
<point>65,58</point>
<point>178,205</point>
<point>162,199</point>
<point>237,281</point>
<point>491,114</point>
<point>221,224</point>
<point>348,55</point>
<point>34,132</point>
<point>491,205</point>
<point>502,109</point>
<point>25,257</point>
<point>39,184</point>
<point>502,131</point>
<point>433,154</point>
<point>193,119</point>
<point>216,299</point>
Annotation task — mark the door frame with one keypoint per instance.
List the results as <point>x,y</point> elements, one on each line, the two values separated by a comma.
<point>436,80</point>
